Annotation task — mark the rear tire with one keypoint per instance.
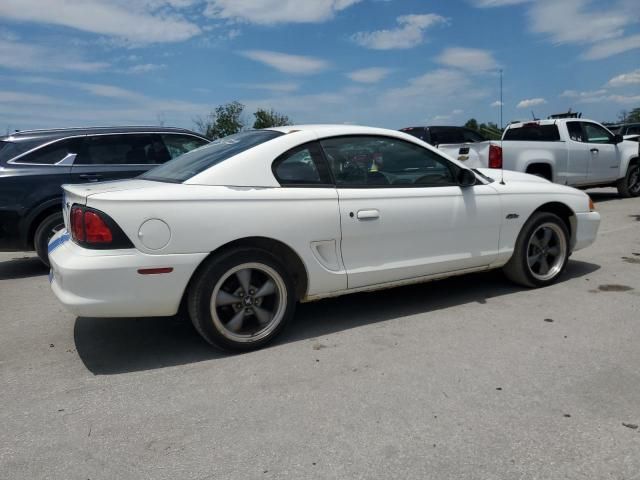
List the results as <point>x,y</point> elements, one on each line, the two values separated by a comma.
<point>629,186</point>
<point>46,229</point>
<point>241,299</point>
<point>541,252</point>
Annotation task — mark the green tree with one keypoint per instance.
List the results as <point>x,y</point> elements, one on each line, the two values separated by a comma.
<point>472,123</point>
<point>270,118</point>
<point>634,116</point>
<point>224,120</point>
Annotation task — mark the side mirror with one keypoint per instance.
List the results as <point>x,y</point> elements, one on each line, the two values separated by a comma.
<point>618,139</point>
<point>466,178</point>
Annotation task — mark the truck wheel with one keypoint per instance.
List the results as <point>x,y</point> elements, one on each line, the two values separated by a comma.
<point>241,299</point>
<point>629,186</point>
<point>541,251</point>
<point>47,229</point>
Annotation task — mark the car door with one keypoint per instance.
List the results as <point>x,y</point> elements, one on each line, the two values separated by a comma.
<point>578,155</point>
<point>603,161</point>
<point>403,214</point>
<point>117,156</point>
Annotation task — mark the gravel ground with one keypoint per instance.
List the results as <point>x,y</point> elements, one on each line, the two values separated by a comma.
<point>467,378</point>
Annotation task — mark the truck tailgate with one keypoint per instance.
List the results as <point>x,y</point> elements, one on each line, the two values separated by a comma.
<point>473,155</point>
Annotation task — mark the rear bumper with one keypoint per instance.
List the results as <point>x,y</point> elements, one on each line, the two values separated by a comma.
<point>587,225</point>
<point>106,283</point>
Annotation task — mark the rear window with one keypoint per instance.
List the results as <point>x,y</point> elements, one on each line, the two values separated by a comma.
<point>533,133</point>
<point>196,161</point>
<point>9,150</point>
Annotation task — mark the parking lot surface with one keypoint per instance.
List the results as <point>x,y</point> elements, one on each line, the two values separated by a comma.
<point>469,377</point>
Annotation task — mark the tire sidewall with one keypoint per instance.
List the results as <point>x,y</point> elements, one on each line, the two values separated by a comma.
<point>523,241</point>
<point>40,240</point>
<point>203,286</point>
<point>633,167</point>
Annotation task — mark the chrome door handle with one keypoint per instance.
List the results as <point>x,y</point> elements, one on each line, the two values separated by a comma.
<point>594,150</point>
<point>368,214</point>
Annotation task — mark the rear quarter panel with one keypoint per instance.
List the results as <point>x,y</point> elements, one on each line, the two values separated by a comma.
<point>204,218</point>
<point>518,156</point>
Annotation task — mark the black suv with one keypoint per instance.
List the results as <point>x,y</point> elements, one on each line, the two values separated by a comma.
<point>444,135</point>
<point>34,164</point>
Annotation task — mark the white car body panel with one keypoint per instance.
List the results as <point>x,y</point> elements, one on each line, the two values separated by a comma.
<point>395,236</point>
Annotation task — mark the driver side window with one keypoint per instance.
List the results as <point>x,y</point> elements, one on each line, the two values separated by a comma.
<point>596,134</point>
<point>370,161</point>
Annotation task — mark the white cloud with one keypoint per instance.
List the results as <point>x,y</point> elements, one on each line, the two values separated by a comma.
<point>577,22</point>
<point>471,59</point>
<point>408,34</point>
<point>146,68</point>
<point>276,11</point>
<point>612,47</point>
<point>133,22</point>
<point>18,55</point>
<point>284,87</point>
<point>497,103</point>
<point>599,96</point>
<point>369,75</point>
<point>295,64</point>
<point>97,89</point>
<point>531,102</point>
<point>588,94</point>
<point>631,78</point>
<point>438,83</point>
<point>23,98</point>
<point>497,3</point>
<point>66,106</point>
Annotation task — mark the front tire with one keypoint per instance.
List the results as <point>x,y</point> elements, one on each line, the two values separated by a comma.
<point>45,231</point>
<point>241,299</point>
<point>629,186</point>
<point>541,252</point>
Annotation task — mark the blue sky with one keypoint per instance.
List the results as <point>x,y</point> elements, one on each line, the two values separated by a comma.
<point>388,63</point>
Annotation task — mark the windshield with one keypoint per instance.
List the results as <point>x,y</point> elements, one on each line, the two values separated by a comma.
<point>190,164</point>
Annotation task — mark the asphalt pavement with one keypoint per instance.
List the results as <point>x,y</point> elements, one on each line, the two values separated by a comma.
<point>466,378</point>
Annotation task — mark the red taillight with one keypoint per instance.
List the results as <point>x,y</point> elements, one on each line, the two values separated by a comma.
<point>97,231</point>
<point>77,224</point>
<point>495,156</point>
<point>88,227</point>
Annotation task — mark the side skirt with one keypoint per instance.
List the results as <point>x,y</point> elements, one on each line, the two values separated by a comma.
<point>397,283</point>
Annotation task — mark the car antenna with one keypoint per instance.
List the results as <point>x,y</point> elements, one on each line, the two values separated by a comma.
<point>501,134</point>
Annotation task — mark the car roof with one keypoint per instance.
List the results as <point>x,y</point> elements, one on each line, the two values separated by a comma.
<point>56,133</point>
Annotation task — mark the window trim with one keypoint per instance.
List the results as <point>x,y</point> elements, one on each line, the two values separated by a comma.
<point>453,168</point>
<point>15,160</point>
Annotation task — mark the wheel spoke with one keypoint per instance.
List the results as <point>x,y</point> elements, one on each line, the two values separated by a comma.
<point>544,265</point>
<point>269,288</point>
<point>225,298</point>
<point>546,238</point>
<point>536,242</point>
<point>244,278</point>
<point>554,251</point>
<point>533,259</point>
<point>263,316</point>
<point>235,324</point>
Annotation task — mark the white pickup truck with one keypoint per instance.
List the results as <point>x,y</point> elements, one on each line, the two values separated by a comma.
<point>573,151</point>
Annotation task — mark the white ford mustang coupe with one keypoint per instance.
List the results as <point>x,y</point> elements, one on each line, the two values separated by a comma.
<point>242,229</point>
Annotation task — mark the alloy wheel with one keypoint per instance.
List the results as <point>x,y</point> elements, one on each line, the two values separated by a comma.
<point>248,302</point>
<point>546,251</point>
